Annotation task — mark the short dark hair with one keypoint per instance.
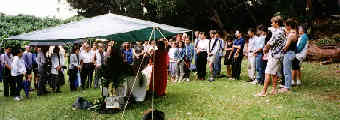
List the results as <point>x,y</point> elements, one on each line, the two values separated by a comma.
<point>212,31</point>
<point>157,115</point>
<point>16,51</point>
<point>251,30</point>
<point>56,49</point>
<point>261,27</point>
<point>292,23</point>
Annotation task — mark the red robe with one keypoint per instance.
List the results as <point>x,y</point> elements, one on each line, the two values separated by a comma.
<point>161,72</point>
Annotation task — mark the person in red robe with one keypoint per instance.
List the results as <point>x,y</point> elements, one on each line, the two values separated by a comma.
<point>160,70</point>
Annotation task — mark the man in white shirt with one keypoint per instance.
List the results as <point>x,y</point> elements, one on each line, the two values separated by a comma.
<point>195,52</point>
<point>258,46</point>
<point>100,58</point>
<point>214,46</point>
<point>251,56</point>
<point>87,62</point>
<point>18,71</point>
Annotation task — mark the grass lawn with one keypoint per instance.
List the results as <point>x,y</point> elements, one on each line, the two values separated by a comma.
<point>317,99</point>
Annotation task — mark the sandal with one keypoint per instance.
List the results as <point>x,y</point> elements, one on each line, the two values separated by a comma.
<point>260,95</point>
<point>274,92</point>
<point>283,90</point>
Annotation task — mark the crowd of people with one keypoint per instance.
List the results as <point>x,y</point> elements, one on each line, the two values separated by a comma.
<point>273,53</point>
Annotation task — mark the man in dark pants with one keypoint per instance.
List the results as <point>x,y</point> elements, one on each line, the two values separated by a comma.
<point>57,61</point>
<point>43,69</point>
<point>87,63</point>
<point>6,61</point>
<point>238,46</point>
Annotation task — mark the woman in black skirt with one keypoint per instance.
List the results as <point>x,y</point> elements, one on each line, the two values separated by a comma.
<point>227,57</point>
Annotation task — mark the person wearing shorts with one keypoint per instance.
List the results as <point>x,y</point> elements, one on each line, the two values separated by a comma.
<point>274,49</point>
<point>301,53</point>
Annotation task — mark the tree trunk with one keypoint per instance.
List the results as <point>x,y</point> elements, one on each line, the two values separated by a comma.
<point>314,52</point>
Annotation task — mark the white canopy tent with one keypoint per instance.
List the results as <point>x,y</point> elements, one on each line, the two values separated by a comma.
<point>127,28</point>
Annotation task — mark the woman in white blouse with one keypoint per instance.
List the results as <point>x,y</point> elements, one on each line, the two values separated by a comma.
<point>18,71</point>
<point>202,47</point>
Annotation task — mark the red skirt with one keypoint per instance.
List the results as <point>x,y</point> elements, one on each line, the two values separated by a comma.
<point>160,68</point>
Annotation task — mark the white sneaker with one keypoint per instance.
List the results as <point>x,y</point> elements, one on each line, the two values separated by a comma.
<point>187,79</point>
<point>17,98</point>
<point>254,82</point>
<point>298,82</point>
<point>293,83</point>
<point>281,86</point>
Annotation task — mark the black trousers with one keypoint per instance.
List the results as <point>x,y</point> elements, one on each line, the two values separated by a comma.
<point>236,67</point>
<point>55,82</point>
<point>17,84</point>
<point>87,75</point>
<point>187,69</point>
<point>264,68</point>
<point>202,65</point>
<point>9,88</point>
<point>73,78</point>
<point>283,81</point>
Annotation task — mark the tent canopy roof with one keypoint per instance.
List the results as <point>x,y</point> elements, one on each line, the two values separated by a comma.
<point>100,26</point>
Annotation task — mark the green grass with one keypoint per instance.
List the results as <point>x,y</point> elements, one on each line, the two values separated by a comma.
<point>317,99</point>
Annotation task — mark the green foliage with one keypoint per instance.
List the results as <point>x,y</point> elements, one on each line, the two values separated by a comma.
<point>332,40</point>
<point>207,14</point>
<point>325,41</point>
<point>15,25</point>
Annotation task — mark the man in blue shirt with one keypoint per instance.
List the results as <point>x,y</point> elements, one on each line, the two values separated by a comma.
<point>189,52</point>
<point>237,54</point>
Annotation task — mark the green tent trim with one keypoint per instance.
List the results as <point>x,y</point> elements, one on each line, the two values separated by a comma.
<point>139,35</point>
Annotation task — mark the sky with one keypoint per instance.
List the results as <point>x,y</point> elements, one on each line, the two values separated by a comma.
<point>40,8</point>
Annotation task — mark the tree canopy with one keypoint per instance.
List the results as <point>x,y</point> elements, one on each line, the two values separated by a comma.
<point>207,14</point>
<point>15,25</point>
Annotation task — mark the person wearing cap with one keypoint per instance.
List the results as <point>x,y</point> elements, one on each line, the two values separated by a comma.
<point>237,54</point>
<point>28,58</point>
